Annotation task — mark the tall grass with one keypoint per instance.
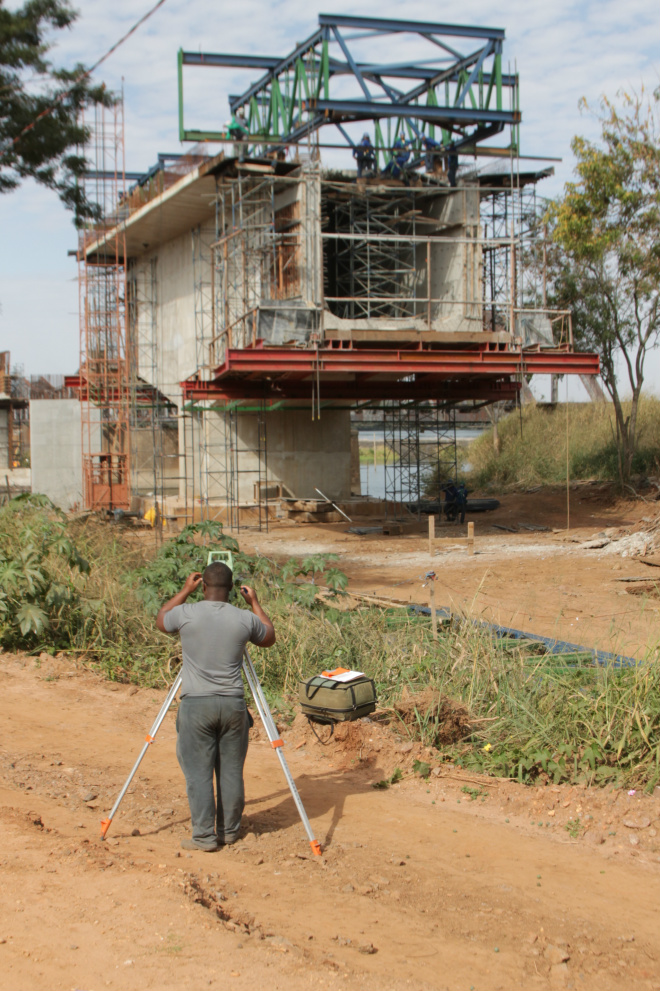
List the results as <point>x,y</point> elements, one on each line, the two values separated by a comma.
<point>522,715</point>
<point>527,715</point>
<point>532,450</point>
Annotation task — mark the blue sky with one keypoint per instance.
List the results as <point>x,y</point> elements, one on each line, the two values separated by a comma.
<point>562,50</point>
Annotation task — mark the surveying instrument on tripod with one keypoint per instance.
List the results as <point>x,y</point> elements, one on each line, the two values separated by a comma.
<point>225,557</point>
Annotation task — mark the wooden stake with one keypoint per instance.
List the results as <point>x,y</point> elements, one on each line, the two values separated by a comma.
<point>470,538</point>
<point>434,618</point>
<point>431,534</point>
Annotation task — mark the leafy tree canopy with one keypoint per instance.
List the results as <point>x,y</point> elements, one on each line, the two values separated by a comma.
<point>49,151</point>
<point>607,269</point>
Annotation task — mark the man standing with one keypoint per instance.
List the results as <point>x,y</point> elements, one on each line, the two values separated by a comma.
<point>212,721</point>
<point>365,155</point>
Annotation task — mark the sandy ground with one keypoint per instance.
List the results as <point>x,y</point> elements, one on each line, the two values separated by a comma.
<point>455,882</point>
<point>460,882</point>
<point>539,581</point>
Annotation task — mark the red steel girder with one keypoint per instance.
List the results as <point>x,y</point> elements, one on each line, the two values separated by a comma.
<point>450,363</point>
<point>348,373</point>
<point>300,391</point>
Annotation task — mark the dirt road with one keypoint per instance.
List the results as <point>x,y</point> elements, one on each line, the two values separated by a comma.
<point>459,882</point>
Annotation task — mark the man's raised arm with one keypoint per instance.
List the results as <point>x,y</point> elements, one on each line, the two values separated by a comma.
<point>250,597</point>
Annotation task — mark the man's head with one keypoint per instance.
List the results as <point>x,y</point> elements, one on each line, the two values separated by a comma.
<point>218,580</point>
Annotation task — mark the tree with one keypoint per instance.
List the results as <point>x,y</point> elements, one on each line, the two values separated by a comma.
<point>607,225</point>
<point>40,131</point>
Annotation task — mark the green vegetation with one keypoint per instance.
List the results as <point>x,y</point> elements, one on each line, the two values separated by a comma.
<point>422,768</point>
<point>534,452</point>
<point>496,706</point>
<point>392,780</point>
<point>474,793</point>
<point>41,133</point>
<point>607,269</point>
<point>573,828</point>
<point>368,451</point>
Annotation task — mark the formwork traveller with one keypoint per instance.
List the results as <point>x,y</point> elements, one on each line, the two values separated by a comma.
<point>213,722</point>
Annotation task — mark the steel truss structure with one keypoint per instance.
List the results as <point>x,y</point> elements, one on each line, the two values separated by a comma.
<point>451,98</point>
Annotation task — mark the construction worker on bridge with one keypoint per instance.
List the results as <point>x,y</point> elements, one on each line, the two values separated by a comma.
<point>365,155</point>
<point>213,722</point>
<point>396,167</point>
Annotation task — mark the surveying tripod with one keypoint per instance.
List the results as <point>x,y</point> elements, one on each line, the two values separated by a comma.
<point>271,730</point>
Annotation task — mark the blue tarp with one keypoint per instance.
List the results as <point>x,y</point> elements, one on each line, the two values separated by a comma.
<point>551,645</point>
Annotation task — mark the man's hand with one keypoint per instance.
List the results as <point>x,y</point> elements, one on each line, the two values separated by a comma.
<point>192,582</point>
<point>250,596</point>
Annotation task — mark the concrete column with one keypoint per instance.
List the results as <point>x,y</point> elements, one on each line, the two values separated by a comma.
<point>56,450</point>
<point>356,481</point>
<point>301,454</point>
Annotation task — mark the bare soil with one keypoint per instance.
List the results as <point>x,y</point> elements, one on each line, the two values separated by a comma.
<point>541,582</point>
<point>457,881</point>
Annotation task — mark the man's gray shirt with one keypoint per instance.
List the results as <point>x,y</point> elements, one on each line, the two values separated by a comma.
<point>213,637</point>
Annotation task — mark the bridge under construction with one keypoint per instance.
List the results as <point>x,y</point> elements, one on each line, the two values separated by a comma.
<point>362,234</point>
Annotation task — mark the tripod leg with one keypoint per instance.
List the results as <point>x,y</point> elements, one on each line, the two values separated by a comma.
<point>276,743</point>
<point>149,739</point>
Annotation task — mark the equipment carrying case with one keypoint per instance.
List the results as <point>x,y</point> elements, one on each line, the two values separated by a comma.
<point>327,700</point>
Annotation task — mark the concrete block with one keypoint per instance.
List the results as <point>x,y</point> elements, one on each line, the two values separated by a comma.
<point>56,450</point>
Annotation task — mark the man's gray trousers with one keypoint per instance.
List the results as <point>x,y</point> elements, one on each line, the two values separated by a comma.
<point>212,739</point>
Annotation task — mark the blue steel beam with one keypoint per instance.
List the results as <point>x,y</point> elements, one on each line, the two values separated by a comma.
<point>452,74</point>
<point>397,70</point>
<point>413,27</point>
<point>230,61</point>
<point>349,58</point>
<point>361,110</point>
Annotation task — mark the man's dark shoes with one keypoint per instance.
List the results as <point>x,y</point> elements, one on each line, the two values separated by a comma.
<point>189,844</point>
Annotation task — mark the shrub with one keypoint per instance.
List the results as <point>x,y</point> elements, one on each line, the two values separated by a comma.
<point>534,452</point>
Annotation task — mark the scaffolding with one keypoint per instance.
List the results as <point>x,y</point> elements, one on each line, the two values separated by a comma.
<point>420,453</point>
<point>267,260</point>
<point>249,272</point>
<point>376,267</point>
<point>132,433</point>
<point>104,358</point>
<point>226,446</point>
<point>153,418</point>
<point>383,246</point>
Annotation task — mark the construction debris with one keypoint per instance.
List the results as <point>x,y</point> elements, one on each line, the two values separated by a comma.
<point>310,511</point>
